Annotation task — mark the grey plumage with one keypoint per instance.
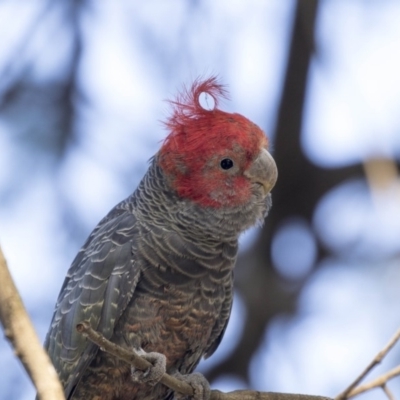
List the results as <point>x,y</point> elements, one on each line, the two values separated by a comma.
<point>153,255</point>
<point>156,274</point>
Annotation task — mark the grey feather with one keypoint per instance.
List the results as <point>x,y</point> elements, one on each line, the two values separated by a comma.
<point>156,273</point>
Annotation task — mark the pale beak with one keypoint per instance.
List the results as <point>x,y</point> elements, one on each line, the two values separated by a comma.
<point>263,171</point>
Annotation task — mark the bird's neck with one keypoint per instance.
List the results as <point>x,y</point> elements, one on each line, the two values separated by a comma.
<point>154,200</point>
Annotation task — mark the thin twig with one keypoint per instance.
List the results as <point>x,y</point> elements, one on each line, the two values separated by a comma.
<point>375,383</point>
<point>377,359</point>
<point>178,385</point>
<point>22,336</point>
<point>131,358</point>
<point>388,393</point>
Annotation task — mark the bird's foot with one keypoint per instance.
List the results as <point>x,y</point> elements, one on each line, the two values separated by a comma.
<point>198,382</point>
<point>152,375</point>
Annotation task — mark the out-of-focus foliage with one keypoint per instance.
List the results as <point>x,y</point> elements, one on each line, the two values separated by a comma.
<point>81,93</point>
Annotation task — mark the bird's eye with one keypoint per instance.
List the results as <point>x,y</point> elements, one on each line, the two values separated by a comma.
<point>226,163</point>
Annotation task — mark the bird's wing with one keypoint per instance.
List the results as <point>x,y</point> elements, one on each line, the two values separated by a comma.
<point>98,287</point>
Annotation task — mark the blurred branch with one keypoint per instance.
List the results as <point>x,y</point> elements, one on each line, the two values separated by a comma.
<point>383,178</point>
<point>56,98</point>
<point>388,392</point>
<point>19,331</point>
<point>178,385</point>
<point>10,69</point>
<point>381,172</point>
<point>352,390</point>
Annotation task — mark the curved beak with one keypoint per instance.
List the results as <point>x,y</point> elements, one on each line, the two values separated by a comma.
<point>263,171</point>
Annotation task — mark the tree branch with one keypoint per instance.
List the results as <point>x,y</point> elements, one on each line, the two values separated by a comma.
<point>19,331</point>
<point>349,392</point>
<point>375,383</point>
<point>175,384</point>
<point>388,392</point>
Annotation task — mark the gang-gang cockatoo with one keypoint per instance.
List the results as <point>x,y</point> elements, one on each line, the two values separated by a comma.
<point>156,274</point>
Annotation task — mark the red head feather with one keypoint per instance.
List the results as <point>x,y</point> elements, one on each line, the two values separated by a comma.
<point>197,136</point>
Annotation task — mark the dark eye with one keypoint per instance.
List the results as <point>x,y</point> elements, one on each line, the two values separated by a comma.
<point>226,163</point>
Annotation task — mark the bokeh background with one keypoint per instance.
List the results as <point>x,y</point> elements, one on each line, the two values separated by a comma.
<point>82,85</point>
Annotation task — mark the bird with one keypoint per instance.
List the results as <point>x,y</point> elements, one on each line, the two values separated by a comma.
<point>156,273</point>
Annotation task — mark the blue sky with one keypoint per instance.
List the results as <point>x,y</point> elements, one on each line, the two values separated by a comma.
<point>137,54</point>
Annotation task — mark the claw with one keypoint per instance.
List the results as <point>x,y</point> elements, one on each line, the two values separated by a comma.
<point>199,383</point>
<point>153,374</point>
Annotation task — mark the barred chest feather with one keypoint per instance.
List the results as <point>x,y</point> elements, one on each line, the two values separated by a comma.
<point>180,312</point>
